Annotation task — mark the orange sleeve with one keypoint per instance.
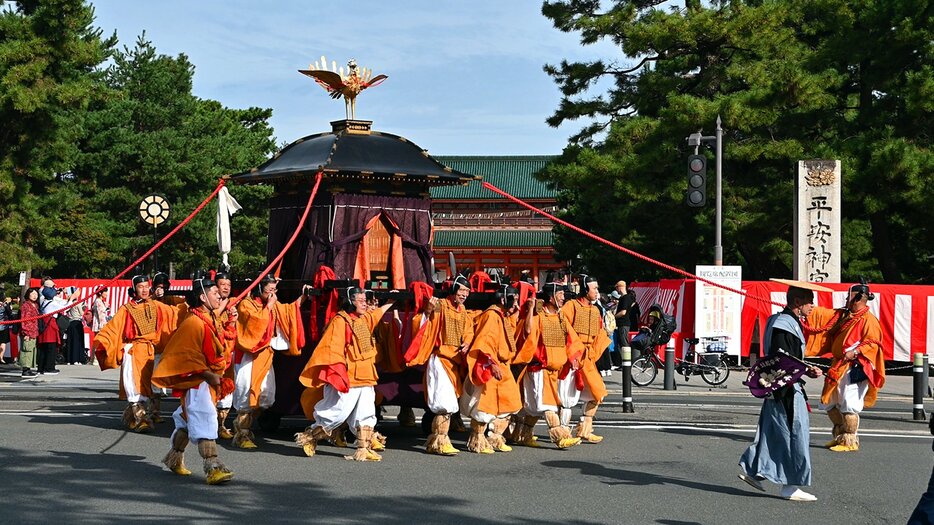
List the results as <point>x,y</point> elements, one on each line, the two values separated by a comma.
<point>484,347</point>
<point>252,325</point>
<point>169,316</point>
<point>872,331</point>
<point>289,317</point>
<point>327,360</point>
<point>108,343</point>
<point>423,342</point>
<point>601,341</point>
<point>182,357</point>
<point>818,344</point>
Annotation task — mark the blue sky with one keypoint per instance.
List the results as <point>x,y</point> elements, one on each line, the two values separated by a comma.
<point>465,78</point>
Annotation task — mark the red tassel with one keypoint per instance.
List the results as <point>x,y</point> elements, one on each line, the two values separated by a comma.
<point>226,387</point>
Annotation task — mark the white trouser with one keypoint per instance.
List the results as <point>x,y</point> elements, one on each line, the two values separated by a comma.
<point>357,407</point>
<point>200,413</point>
<point>569,395</point>
<point>225,402</point>
<point>442,398</point>
<point>470,402</point>
<point>532,389</point>
<point>244,377</point>
<point>156,391</point>
<point>129,381</point>
<point>847,397</point>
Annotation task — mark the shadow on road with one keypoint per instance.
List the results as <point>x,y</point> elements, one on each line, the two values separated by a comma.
<point>98,488</point>
<point>618,476</point>
<point>693,432</point>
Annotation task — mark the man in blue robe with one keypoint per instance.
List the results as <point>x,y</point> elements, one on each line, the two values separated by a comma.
<point>780,452</point>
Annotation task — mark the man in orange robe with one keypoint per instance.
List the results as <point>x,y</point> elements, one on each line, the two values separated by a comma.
<point>443,332</point>
<point>492,394</point>
<point>264,326</point>
<point>340,376</point>
<point>130,340</point>
<point>224,287</point>
<point>551,348</point>
<point>586,382</point>
<point>160,287</point>
<point>857,370</point>
<point>193,365</point>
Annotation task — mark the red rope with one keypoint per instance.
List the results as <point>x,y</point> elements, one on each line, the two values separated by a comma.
<point>132,265</point>
<point>623,249</point>
<point>288,245</point>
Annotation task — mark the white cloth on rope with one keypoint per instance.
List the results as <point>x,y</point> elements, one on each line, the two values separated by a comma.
<point>226,206</point>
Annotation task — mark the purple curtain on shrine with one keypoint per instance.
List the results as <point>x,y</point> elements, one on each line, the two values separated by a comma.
<point>335,227</point>
<point>284,214</point>
<point>411,214</point>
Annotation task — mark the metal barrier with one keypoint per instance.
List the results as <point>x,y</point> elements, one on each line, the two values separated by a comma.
<point>670,367</point>
<point>920,370</point>
<point>627,380</point>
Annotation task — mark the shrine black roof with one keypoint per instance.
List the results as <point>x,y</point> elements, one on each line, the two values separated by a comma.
<point>346,153</point>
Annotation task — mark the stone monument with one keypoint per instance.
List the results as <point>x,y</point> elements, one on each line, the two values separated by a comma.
<point>818,209</point>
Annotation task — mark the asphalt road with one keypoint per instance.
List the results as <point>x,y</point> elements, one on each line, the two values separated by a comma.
<point>65,458</point>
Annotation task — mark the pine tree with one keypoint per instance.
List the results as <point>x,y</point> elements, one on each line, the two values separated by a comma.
<point>156,137</point>
<point>792,79</point>
<point>49,55</point>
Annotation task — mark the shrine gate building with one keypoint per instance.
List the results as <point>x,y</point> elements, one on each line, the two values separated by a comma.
<point>488,232</point>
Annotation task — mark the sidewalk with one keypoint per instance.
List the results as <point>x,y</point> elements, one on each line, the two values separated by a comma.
<point>897,387</point>
<point>69,376</point>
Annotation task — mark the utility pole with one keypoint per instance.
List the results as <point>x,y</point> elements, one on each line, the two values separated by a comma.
<point>696,140</point>
<point>718,238</point>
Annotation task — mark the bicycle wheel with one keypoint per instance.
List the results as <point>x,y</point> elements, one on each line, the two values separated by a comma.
<point>643,371</point>
<point>716,374</point>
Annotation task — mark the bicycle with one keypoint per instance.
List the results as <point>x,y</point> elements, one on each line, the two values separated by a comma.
<point>714,370</point>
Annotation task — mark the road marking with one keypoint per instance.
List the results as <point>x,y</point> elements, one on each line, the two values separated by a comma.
<point>724,392</point>
<point>713,406</point>
<point>750,429</point>
<point>618,425</point>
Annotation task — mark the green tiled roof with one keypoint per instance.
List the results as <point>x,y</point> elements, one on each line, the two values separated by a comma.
<point>494,238</point>
<point>512,174</point>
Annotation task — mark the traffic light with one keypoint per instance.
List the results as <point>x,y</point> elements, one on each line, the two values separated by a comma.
<point>697,181</point>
